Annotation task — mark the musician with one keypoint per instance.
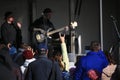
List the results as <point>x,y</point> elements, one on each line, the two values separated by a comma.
<point>11,31</point>
<point>44,21</point>
<point>45,24</point>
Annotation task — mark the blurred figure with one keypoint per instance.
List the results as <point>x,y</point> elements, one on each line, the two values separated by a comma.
<point>19,59</point>
<point>12,52</point>
<point>29,57</point>
<point>43,68</point>
<point>64,52</point>
<point>44,21</point>
<point>110,69</point>
<point>61,56</point>
<point>8,69</point>
<point>58,57</point>
<point>11,31</point>
<point>46,25</point>
<point>93,62</point>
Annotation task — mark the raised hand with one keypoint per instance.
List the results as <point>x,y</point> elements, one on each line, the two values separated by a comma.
<point>62,37</point>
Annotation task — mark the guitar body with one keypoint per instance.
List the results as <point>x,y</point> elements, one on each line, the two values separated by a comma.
<point>40,37</point>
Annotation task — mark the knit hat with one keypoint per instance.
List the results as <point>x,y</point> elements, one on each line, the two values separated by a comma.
<point>8,14</point>
<point>27,54</point>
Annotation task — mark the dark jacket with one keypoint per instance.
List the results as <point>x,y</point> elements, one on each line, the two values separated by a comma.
<point>41,70</point>
<point>10,33</point>
<point>8,70</point>
<point>45,25</point>
<point>42,23</point>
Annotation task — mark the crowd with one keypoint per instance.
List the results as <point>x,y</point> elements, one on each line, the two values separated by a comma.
<point>42,61</point>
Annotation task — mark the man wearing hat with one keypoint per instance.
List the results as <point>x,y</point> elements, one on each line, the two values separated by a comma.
<point>45,24</point>
<point>44,21</point>
<point>43,68</point>
<point>11,31</point>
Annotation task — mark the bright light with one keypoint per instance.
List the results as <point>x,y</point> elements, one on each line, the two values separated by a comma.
<point>74,24</point>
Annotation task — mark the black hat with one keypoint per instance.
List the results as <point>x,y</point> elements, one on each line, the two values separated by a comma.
<point>8,14</point>
<point>47,10</point>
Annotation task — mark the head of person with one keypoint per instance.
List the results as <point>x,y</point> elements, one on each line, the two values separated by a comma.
<point>95,46</point>
<point>57,55</point>
<point>47,13</point>
<point>42,49</point>
<point>28,54</point>
<point>9,16</point>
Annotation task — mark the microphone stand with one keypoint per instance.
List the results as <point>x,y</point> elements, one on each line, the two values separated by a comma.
<point>116,28</point>
<point>118,34</point>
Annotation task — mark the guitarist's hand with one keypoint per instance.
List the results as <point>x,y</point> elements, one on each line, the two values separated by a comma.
<point>62,37</point>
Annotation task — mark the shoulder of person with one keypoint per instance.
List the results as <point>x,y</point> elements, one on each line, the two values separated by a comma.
<point>55,63</point>
<point>115,75</point>
<point>4,24</point>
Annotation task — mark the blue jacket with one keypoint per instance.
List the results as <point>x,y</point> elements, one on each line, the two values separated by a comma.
<point>93,60</point>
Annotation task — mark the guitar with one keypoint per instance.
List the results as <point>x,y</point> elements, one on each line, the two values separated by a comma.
<point>42,34</point>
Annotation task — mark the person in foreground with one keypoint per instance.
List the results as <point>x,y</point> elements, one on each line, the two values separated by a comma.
<point>90,66</point>
<point>8,69</point>
<point>43,68</point>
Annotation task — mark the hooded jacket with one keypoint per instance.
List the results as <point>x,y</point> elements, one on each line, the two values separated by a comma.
<point>93,60</point>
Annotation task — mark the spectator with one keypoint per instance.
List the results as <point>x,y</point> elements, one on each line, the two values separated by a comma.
<point>8,69</point>
<point>29,57</point>
<point>94,61</point>
<point>61,56</point>
<point>43,68</point>
<point>19,59</point>
<point>64,52</point>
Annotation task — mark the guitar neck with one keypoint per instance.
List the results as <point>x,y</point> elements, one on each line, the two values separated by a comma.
<point>57,30</point>
<point>39,29</point>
